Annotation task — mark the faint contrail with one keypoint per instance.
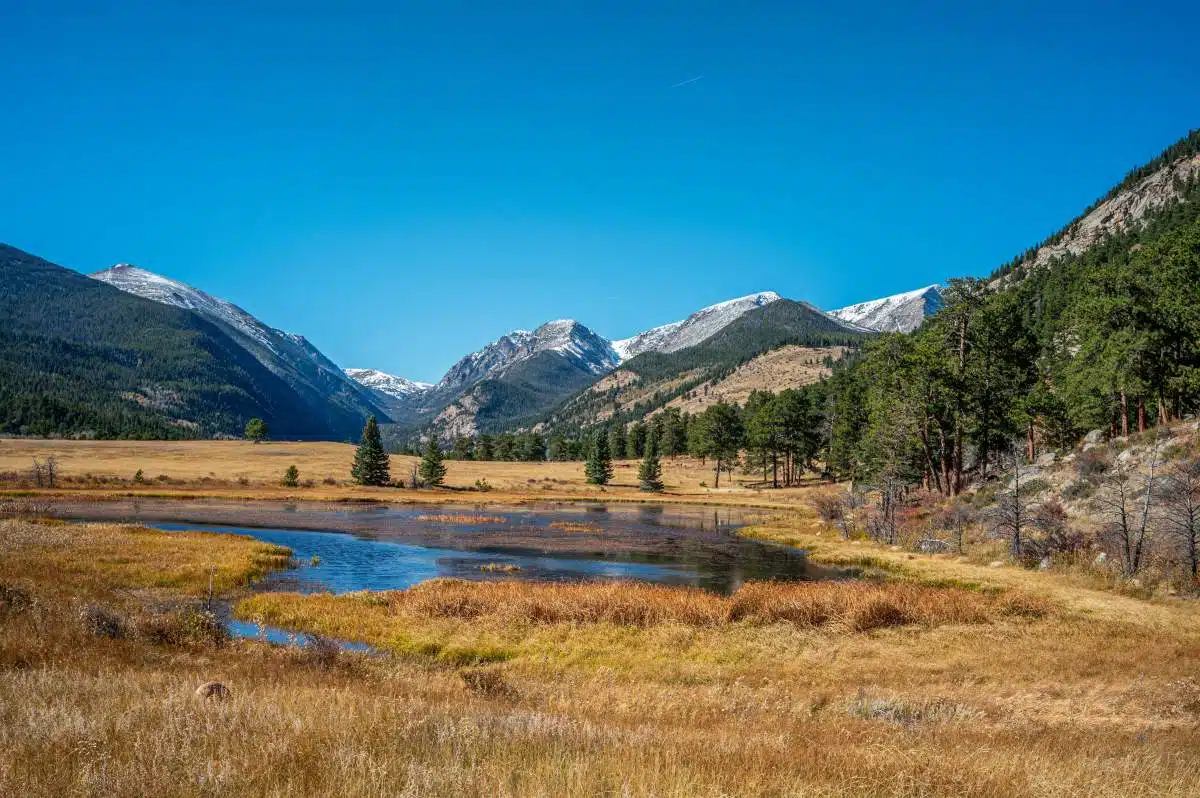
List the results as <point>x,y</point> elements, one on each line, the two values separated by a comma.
<point>686,82</point>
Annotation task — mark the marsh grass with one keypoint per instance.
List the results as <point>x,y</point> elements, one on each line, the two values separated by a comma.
<point>540,690</point>
<point>462,518</point>
<point>95,557</point>
<point>576,527</point>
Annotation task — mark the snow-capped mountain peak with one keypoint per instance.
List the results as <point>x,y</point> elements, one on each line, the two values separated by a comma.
<point>287,355</point>
<point>149,285</point>
<point>567,337</point>
<point>897,313</point>
<point>695,329</point>
<point>390,384</point>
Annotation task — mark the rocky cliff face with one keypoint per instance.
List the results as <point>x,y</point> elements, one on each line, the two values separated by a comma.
<point>1120,212</point>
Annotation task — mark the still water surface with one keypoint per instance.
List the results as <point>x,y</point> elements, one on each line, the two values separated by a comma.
<point>388,547</point>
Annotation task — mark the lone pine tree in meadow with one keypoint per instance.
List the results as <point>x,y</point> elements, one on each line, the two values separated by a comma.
<point>432,470</point>
<point>371,465</point>
<point>650,472</point>
<point>598,468</point>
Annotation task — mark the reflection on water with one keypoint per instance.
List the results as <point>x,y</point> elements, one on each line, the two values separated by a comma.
<point>394,547</point>
<point>282,637</point>
<point>340,563</point>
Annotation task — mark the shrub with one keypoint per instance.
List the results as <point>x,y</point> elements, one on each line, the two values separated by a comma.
<point>102,623</point>
<point>14,600</point>
<point>321,651</point>
<point>1055,537</point>
<point>189,626</point>
<point>1093,464</point>
<point>488,682</point>
<point>1078,491</point>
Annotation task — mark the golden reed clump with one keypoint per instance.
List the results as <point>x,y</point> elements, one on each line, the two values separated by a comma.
<point>852,606</point>
<point>462,518</point>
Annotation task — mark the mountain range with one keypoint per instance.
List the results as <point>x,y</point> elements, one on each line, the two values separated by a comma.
<point>131,353</point>
<point>519,376</point>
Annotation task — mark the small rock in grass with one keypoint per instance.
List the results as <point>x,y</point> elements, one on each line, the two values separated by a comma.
<point>996,564</point>
<point>212,691</point>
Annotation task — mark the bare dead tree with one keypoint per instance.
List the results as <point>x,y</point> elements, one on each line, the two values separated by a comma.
<point>51,470</point>
<point>1180,511</point>
<point>953,523</point>
<point>881,525</point>
<point>833,511</point>
<point>1012,516</point>
<point>1128,501</point>
<point>38,473</point>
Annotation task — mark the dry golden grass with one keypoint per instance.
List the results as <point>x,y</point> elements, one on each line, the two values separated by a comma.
<point>843,606</point>
<point>243,470</point>
<point>462,518</point>
<point>92,558</point>
<point>790,366</point>
<point>546,690</point>
<point>576,527</point>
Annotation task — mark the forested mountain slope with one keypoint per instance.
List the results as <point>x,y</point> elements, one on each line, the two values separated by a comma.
<point>1098,328</point>
<point>78,357</point>
<point>317,379</point>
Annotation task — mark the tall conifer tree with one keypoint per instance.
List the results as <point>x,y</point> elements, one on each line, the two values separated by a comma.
<point>598,468</point>
<point>432,470</point>
<point>650,472</point>
<point>370,460</point>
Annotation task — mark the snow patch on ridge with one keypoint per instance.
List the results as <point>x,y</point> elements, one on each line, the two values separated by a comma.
<point>164,290</point>
<point>390,384</point>
<point>897,313</point>
<point>695,329</point>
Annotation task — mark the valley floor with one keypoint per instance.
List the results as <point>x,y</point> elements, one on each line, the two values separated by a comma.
<point>243,470</point>
<point>948,677</point>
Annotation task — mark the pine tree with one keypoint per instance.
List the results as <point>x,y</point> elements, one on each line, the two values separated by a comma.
<point>370,460</point>
<point>616,440</point>
<point>291,477</point>
<point>432,471</point>
<point>650,472</point>
<point>598,468</point>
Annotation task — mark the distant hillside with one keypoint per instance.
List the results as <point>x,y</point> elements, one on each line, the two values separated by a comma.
<point>1095,331</point>
<point>695,329</point>
<point>653,379</point>
<point>78,357</point>
<point>532,373</point>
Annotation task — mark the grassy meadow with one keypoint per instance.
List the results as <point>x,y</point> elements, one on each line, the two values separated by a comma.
<point>948,675</point>
<point>241,469</point>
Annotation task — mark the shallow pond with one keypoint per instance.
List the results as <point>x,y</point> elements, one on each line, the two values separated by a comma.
<point>396,546</point>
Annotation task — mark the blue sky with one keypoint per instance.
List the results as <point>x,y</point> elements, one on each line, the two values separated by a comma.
<point>404,181</point>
